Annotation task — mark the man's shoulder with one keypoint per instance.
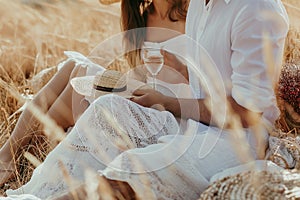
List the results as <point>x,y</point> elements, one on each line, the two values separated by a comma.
<point>257,3</point>
<point>255,7</point>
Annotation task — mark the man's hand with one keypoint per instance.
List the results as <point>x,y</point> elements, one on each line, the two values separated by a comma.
<point>173,62</point>
<point>149,98</point>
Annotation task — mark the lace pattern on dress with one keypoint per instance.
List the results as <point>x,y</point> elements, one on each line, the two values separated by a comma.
<point>110,125</point>
<point>120,125</point>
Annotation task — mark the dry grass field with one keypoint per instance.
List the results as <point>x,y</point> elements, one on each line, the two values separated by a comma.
<point>35,34</point>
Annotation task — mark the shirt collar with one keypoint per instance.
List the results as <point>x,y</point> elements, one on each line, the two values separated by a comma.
<point>227,1</point>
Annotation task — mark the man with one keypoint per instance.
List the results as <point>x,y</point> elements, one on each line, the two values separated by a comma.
<point>234,33</point>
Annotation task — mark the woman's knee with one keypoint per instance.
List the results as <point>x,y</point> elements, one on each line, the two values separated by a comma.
<point>67,67</point>
<point>77,71</point>
<point>111,102</point>
<point>110,99</point>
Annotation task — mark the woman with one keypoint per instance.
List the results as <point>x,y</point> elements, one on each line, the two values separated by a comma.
<point>58,94</point>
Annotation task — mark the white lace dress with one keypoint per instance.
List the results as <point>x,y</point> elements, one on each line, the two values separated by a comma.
<point>96,140</point>
<point>160,156</point>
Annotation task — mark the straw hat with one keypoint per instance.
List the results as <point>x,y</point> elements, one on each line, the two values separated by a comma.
<point>106,82</point>
<point>108,2</point>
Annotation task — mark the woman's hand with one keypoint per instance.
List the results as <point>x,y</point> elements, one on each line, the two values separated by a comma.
<point>149,98</point>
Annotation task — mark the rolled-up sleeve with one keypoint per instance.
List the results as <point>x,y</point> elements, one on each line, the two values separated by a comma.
<point>254,25</point>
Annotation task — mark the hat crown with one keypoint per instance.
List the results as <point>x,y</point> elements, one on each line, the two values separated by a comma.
<point>110,80</point>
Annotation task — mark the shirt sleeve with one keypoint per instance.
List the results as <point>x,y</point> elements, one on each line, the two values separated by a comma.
<point>259,22</point>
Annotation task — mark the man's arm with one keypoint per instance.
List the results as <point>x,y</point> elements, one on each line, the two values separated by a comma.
<point>257,42</point>
<point>196,109</point>
<point>199,110</point>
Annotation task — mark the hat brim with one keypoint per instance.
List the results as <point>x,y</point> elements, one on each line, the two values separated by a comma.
<point>84,86</point>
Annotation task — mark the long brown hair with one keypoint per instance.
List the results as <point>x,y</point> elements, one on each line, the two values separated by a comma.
<point>133,21</point>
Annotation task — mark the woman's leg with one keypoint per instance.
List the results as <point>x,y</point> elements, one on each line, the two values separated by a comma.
<point>70,105</point>
<point>49,96</point>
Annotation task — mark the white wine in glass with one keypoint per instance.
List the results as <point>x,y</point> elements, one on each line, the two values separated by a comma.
<point>153,61</point>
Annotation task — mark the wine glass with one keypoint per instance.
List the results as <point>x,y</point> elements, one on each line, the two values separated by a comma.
<point>154,61</point>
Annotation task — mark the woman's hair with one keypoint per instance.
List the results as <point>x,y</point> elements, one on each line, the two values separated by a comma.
<point>133,21</point>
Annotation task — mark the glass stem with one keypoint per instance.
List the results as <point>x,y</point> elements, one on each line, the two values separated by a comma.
<point>154,81</point>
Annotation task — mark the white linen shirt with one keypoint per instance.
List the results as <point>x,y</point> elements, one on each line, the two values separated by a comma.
<point>233,34</point>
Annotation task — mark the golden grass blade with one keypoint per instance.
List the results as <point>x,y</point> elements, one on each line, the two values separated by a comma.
<point>32,159</point>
